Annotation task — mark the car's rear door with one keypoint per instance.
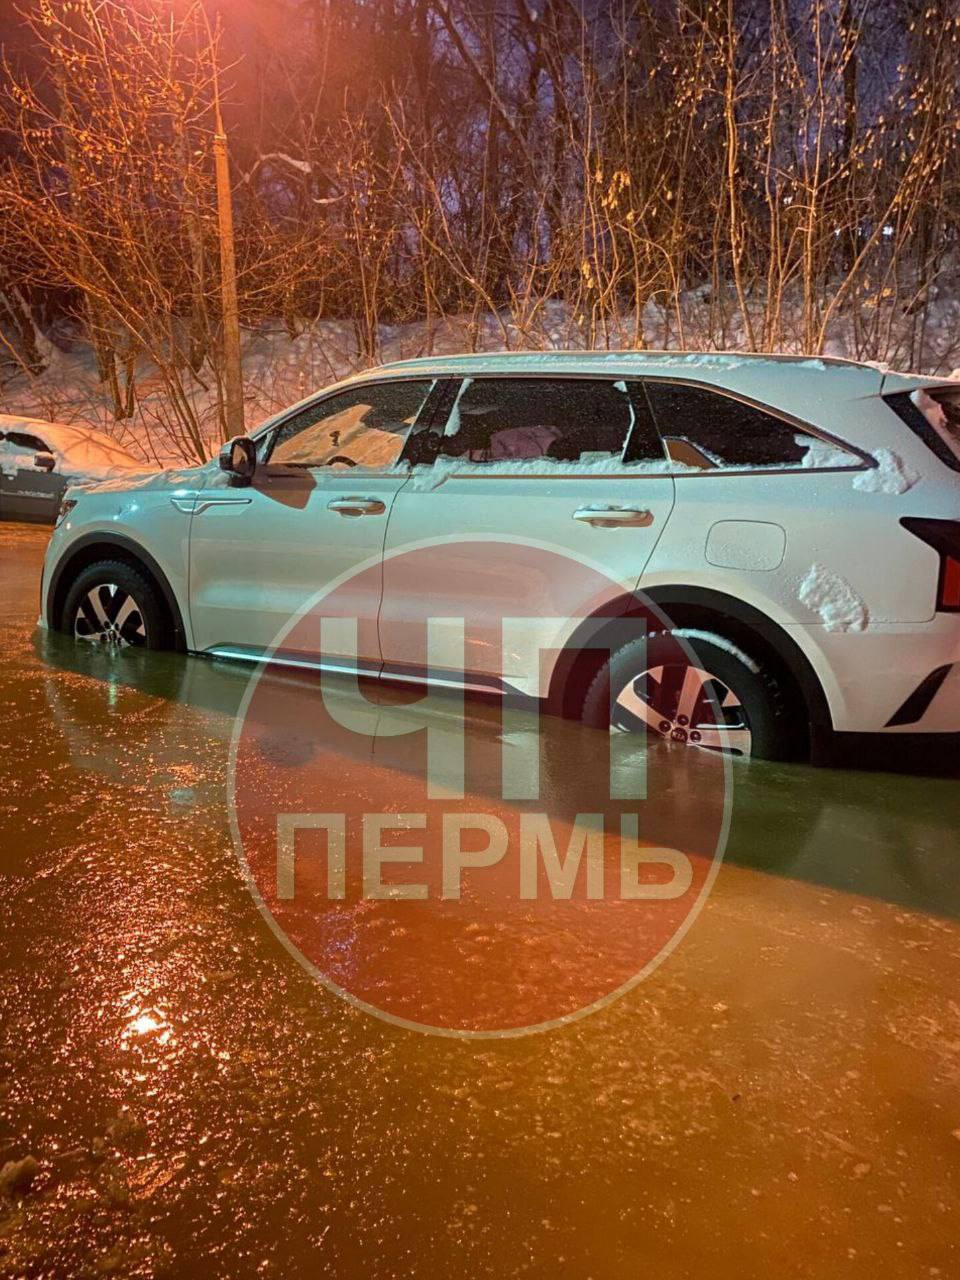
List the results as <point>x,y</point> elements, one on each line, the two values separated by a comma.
<point>533,473</point>
<point>317,510</point>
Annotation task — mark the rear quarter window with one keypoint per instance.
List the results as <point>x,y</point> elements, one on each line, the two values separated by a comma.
<point>705,430</point>
<point>933,414</point>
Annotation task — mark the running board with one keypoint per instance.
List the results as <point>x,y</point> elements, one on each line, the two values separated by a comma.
<point>396,672</point>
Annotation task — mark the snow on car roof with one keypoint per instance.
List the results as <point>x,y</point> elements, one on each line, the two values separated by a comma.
<point>720,367</point>
<point>627,360</point>
<point>781,381</point>
<point>767,376</point>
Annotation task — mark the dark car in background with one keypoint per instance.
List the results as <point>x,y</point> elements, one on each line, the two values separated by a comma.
<point>38,460</point>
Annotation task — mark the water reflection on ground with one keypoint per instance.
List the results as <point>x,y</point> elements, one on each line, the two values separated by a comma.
<point>885,834</point>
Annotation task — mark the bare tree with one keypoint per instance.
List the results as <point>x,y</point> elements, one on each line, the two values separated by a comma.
<point>710,173</point>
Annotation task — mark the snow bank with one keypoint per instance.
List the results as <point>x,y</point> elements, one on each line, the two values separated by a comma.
<point>828,594</point>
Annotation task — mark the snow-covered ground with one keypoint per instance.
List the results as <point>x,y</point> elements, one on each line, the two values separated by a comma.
<point>280,368</point>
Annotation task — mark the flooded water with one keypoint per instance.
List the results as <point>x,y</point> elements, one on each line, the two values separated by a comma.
<point>779,1098</point>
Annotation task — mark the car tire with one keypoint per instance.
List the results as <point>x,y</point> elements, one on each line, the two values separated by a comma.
<point>652,683</point>
<point>114,604</point>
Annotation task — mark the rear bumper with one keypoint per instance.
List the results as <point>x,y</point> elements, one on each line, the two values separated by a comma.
<point>943,715</point>
<point>892,679</point>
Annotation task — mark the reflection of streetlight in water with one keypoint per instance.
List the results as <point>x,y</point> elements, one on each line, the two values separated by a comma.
<point>146,1022</point>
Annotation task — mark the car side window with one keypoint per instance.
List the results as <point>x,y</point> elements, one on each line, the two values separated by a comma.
<point>704,430</point>
<point>501,421</point>
<point>27,441</point>
<point>363,427</point>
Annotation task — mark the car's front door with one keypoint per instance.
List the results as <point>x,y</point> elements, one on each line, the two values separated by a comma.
<point>30,489</point>
<point>317,509</point>
<point>527,466</point>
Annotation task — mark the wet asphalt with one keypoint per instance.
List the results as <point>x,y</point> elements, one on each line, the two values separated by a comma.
<point>778,1099</point>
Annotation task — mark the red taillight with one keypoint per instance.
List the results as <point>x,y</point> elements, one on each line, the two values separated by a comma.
<point>949,584</point>
<point>944,537</point>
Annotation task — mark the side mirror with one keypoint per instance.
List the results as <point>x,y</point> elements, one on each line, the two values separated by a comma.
<point>238,458</point>
<point>44,461</point>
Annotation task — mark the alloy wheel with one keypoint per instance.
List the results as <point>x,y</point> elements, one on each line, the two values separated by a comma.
<point>109,615</point>
<point>686,705</point>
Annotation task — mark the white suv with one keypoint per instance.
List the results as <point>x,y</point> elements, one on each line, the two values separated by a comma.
<point>795,521</point>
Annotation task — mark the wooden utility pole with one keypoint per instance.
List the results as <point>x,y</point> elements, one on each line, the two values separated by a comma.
<point>232,417</point>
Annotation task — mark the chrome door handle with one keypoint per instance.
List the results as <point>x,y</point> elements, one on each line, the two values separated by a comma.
<point>195,503</point>
<point>357,506</point>
<point>614,517</point>
<point>185,500</point>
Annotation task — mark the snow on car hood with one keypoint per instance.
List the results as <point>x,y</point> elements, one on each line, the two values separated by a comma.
<point>139,481</point>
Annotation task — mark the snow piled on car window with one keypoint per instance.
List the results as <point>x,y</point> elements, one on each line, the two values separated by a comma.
<point>14,458</point>
<point>822,455</point>
<point>891,475</point>
<point>942,411</point>
<point>427,476</point>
